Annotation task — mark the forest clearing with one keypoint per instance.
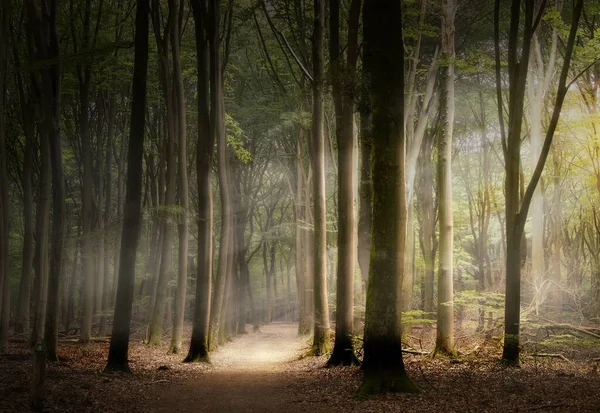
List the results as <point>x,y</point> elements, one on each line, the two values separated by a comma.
<point>266,372</point>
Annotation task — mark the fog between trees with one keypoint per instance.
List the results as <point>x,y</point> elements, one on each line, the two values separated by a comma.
<point>366,169</point>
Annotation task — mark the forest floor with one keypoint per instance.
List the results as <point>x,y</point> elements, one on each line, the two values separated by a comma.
<point>266,371</point>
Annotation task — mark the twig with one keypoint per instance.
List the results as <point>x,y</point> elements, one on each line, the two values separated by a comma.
<point>547,406</point>
<point>418,352</point>
<point>552,355</point>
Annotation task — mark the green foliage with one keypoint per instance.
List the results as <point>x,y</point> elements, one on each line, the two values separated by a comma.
<point>235,140</point>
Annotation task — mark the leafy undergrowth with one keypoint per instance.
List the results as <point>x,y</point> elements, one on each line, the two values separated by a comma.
<point>474,382</point>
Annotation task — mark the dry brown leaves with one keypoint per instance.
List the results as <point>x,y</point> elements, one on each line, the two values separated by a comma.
<point>244,377</point>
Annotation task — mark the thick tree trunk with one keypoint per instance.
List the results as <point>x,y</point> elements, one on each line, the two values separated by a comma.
<point>384,64</point>
<point>445,310</point>
<point>321,333</point>
<point>119,342</point>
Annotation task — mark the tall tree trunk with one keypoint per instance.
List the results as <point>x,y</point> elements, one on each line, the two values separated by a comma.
<point>106,293</point>
<point>444,342</point>
<point>41,244</point>
<point>384,65</point>
<point>427,217</point>
<point>4,222</point>
<point>204,156</point>
<point>343,350</point>
<point>119,341</point>
<point>166,264</point>
<point>539,80</point>
<point>24,302</point>
<point>517,208</point>
<point>99,217</point>
<point>218,132</point>
<point>321,333</point>
<point>177,333</point>
<point>300,251</point>
<point>51,102</point>
<point>365,190</point>
<point>87,214</point>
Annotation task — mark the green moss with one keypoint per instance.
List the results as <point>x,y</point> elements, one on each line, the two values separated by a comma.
<point>510,355</point>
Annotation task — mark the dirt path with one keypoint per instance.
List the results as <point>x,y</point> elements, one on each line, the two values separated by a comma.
<point>248,375</point>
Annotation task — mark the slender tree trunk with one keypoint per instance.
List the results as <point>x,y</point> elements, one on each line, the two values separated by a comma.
<point>517,203</point>
<point>4,221</point>
<point>218,131</point>
<point>70,297</point>
<point>204,157</point>
<point>445,310</point>
<point>99,217</point>
<point>51,101</point>
<point>321,332</point>
<point>24,302</point>
<point>384,65</point>
<point>365,195</point>
<point>427,214</point>
<point>87,214</point>
<point>41,244</point>
<point>177,333</point>
<point>343,350</point>
<point>300,209</point>
<point>119,342</point>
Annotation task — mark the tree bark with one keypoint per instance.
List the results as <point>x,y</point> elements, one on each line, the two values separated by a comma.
<point>204,158</point>
<point>517,208</point>
<point>166,264</point>
<point>445,311</point>
<point>177,333</point>
<point>343,91</point>
<point>119,342</point>
<point>51,102</point>
<point>4,221</point>
<point>384,65</point>
<point>321,333</point>
<point>218,132</point>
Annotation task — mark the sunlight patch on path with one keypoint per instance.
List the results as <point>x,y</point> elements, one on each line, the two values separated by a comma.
<point>267,350</point>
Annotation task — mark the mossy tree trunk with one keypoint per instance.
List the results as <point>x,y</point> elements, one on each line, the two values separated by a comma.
<point>384,64</point>
<point>444,342</point>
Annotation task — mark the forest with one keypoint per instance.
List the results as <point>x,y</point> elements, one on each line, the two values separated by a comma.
<point>293,205</point>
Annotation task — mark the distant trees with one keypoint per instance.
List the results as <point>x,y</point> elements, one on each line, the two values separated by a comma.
<point>517,203</point>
